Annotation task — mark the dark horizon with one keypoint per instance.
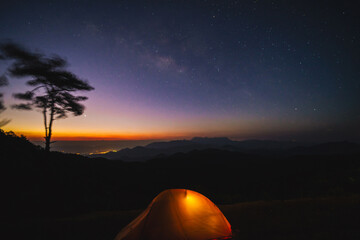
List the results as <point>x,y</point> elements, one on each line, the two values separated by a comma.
<point>88,147</point>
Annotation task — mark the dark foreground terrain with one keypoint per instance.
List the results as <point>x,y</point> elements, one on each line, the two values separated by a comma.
<point>319,218</point>
<point>264,196</point>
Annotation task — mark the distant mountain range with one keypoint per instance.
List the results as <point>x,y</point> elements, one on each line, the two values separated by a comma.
<point>259,147</point>
<point>40,184</point>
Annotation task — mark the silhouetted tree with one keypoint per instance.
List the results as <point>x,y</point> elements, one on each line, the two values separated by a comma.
<point>52,85</point>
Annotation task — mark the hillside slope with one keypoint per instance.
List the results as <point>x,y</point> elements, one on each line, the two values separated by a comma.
<point>36,183</point>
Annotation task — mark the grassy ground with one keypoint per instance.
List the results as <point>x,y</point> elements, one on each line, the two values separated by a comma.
<point>320,218</point>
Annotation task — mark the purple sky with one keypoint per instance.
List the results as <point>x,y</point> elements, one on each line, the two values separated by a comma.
<point>177,69</point>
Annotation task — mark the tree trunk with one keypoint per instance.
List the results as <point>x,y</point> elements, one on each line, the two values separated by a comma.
<point>47,140</point>
<point>49,130</point>
<point>48,137</point>
<point>47,144</point>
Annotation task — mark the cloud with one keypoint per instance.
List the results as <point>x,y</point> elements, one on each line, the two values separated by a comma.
<point>153,56</point>
<point>161,63</point>
<point>93,29</point>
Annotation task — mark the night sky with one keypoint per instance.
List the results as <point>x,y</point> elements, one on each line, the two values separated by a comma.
<point>286,70</point>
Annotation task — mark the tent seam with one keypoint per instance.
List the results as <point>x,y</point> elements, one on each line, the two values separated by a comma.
<point>178,217</point>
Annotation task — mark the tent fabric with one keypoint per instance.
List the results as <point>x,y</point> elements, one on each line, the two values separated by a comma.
<point>178,214</point>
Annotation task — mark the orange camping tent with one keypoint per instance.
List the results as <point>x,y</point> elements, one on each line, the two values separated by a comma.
<point>178,214</point>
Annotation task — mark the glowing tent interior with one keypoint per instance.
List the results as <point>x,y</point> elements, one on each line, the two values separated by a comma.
<point>178,214</point>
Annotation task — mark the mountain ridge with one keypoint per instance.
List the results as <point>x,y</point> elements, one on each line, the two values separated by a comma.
<point>252,146</point>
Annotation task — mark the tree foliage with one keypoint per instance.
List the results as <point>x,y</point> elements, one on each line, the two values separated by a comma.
<point>52,86</point>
